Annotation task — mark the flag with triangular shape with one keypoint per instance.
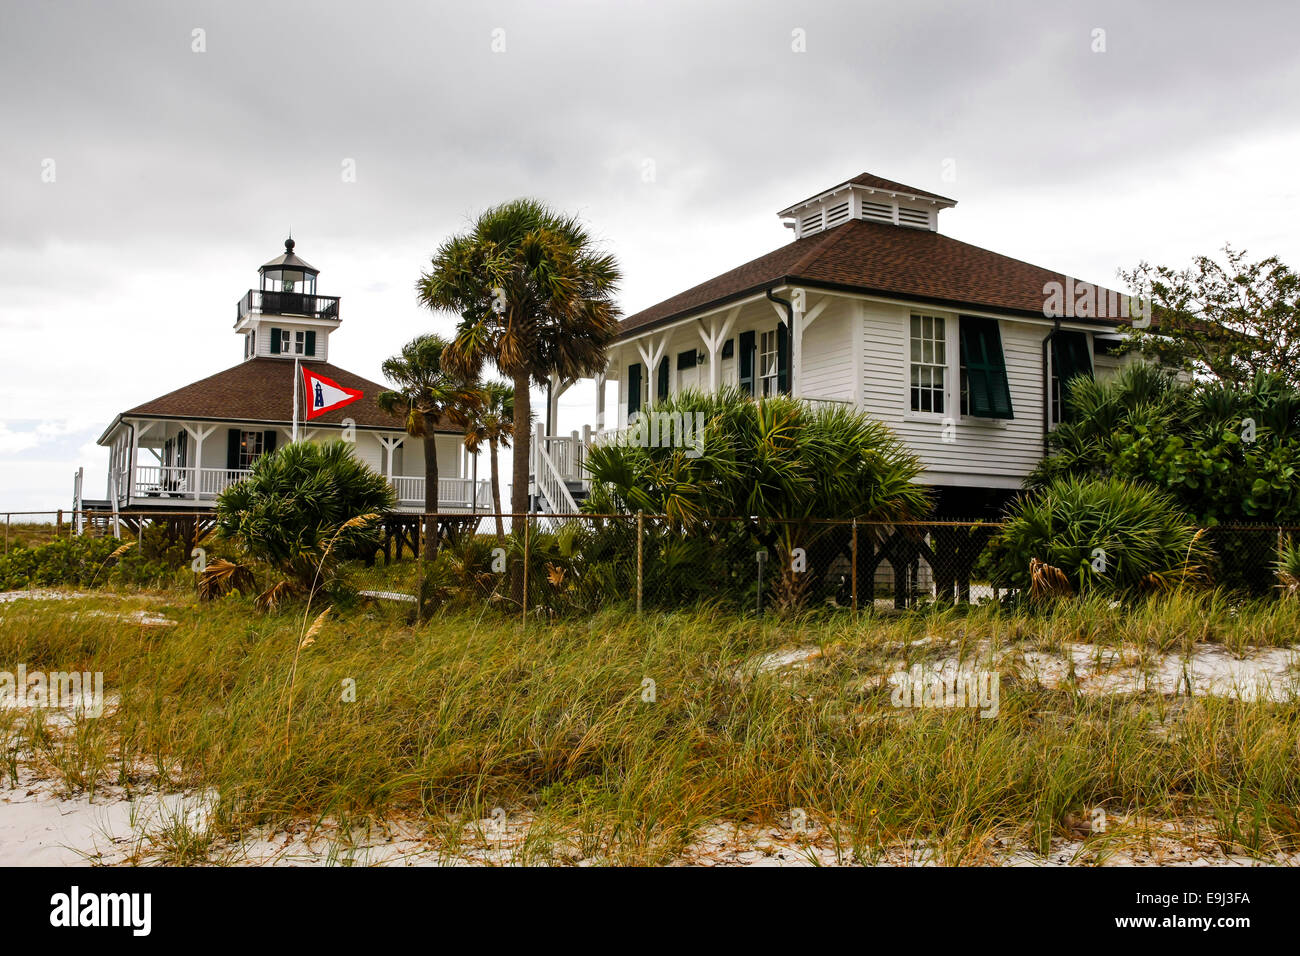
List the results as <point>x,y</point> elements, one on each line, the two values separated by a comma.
<point>325,394</point>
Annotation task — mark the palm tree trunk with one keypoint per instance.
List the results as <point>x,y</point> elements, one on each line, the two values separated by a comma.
<point>430,489</point>
<point>519,469</point>
<point>496,489</point>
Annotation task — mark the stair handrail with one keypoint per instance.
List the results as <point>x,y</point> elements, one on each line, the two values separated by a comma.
<point>551,484</point>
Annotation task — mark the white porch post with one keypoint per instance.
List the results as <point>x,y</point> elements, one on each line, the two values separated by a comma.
<point>652,357</point>
<point>557,389</point>
<point>714,338</point>
<point>600,402</point>
<point>198,433</point>
<point>136,434</point>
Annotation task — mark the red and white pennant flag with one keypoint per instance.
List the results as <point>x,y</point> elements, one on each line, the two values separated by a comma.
<point>325,394</point>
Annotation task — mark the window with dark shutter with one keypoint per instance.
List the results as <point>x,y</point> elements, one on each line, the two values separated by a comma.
<point>275,341</point>
<point>685,360</point>
<point>1070,358</point>
<point>661,386</point>
<point>633,388</point>
<point>232,449</point>
<point>985,390</point>
<point>311,344</point>
<point>747,362</point>
<point>782,359</point>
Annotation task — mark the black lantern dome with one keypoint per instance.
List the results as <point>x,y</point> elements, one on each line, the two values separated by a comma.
<point>289,273</point>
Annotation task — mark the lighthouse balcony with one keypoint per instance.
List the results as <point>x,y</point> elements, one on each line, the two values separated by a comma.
<point>265,301</point>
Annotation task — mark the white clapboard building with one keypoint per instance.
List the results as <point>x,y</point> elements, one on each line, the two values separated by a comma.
<point>960,350</point>
<point>180,450</point>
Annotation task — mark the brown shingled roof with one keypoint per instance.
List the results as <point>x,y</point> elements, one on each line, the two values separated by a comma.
<point>261,390</point>
<point>874,258</point>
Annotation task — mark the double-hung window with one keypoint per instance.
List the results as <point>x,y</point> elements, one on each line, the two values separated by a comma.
<point>769,368</point>
<point>929,361</point>
<point>250,446</point>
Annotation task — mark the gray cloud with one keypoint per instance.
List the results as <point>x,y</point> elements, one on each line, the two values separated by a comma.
<point>179,172</point>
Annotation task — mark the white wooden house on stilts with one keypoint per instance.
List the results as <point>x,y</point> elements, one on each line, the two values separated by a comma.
<point>961,351</point>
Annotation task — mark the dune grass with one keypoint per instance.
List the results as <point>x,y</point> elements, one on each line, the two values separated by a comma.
<point>630,735</point>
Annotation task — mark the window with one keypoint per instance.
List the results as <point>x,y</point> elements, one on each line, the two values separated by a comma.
<point>299,342</point>
<point>929,357</point>
<point>250,446</point>
<point>1070,357</point>
<point>284,341</point>
<point>635,389</point>
<point>769,368</point>
<point>985,392</point>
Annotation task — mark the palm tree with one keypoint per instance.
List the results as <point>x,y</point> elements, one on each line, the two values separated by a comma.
<point>428,395</point>
<point>535,299</point>
<point>493,423</point>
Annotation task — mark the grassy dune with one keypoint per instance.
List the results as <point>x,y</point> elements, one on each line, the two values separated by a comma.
<point>471,712</point>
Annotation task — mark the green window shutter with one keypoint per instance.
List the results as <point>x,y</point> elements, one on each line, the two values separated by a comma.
<point>1070,359</point>
<point>746,377</point>
<point>268,441</point>
<point>633,388</point>
<point>275,341</point>
<point>661,385</point>
<point>1070,355</point>
<point>310,347</point>
<point>782,359</point>
<point>232,449</point>
<point>987,390</point>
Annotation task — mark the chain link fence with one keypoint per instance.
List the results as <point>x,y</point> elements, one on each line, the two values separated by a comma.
<point>658,561</point>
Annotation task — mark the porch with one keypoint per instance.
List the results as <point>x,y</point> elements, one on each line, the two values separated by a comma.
<point>158,464</point>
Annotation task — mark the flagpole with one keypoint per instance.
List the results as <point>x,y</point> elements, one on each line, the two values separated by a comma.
<point>297,374</point>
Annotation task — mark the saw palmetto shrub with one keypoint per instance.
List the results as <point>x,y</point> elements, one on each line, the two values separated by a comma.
<point>303,508</point>
<point>778,469</point>
<point>1107,536</point>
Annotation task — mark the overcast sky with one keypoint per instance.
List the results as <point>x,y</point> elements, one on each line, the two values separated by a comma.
<point>180,159</point>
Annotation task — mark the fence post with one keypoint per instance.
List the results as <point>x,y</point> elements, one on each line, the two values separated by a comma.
<point>58,531</point>
<point>528,524</point>
<point>640,548</point>
<point>8,518</point>
<point>854,552</point>
<point>419,572</point>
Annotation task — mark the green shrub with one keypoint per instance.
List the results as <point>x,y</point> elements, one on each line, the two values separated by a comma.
<point>1224,453</point>
<point>153,560</point>
<point>1107,536</point>
<point>296,509</point>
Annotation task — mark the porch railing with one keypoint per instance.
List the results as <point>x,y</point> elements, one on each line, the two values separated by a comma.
<point>176,483</point>
<point>459,493</point>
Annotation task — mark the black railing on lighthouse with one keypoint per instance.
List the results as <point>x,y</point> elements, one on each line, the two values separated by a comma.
<point>289,303</point>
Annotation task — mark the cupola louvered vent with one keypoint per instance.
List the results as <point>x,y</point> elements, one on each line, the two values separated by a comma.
<point>810,224</point>
<point>879,211</point>
<point>837,214</point>
<point>913,217</point>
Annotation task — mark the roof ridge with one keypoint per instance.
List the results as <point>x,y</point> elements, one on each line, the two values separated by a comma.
<point>828,239</point>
